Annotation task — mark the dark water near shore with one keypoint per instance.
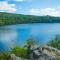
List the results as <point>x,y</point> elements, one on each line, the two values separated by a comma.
<point>12,34</point>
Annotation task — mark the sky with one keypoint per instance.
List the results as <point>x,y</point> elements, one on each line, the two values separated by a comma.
<point>31,7</point>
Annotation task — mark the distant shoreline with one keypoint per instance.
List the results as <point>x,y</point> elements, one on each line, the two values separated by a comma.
<point>14,19</point>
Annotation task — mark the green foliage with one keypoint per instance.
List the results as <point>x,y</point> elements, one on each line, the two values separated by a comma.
<point>19,51</point>
<point>30,42</point>
<point>4,55</point>
<point>23,51</point>
<point>9,18</point>
<point>55,42</point>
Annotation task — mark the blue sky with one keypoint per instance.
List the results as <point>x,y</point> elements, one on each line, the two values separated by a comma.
<point>31,7</point>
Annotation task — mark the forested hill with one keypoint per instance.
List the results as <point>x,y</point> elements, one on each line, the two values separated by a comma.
<point>9,19</point>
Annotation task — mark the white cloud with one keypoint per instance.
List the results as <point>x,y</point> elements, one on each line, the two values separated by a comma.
<point>46,11</point>
<point>5,6</point>
<point>19,0</point>
<point>22,0</point>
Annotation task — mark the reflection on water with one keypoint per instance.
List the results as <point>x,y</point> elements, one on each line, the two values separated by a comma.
<point>19,33</point>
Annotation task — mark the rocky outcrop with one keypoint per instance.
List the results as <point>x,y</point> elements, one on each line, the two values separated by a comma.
<point>51,52</point>
<point>43,53</point>
<point>46,53</point>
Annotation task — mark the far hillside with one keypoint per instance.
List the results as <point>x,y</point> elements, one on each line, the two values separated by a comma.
<point>10,18</point>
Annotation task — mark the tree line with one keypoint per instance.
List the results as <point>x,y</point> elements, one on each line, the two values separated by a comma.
<point>10,18</point>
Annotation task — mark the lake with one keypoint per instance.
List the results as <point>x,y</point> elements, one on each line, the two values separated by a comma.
<point>18,34</point>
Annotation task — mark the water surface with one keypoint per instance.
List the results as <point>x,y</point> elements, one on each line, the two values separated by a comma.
<point>18,34</point>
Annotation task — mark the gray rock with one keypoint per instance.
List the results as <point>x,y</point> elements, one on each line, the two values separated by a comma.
<point>18,58</point>
<point>14,57</point>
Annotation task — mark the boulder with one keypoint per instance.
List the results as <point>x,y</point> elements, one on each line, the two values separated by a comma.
<point>14,57</point>
<point>52,53</point>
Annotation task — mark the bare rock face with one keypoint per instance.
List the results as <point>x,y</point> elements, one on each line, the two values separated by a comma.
<point>46,53</point>
<point>51,52</point>
<point>14,57</point>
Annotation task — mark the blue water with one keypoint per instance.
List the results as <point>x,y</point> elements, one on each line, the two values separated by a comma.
<point>18,34</point>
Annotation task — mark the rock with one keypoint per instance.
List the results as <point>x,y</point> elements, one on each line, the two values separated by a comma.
<point>18,58</point>
<point>51,52</point>
<point>47,53</point>
<point>14,57</point>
